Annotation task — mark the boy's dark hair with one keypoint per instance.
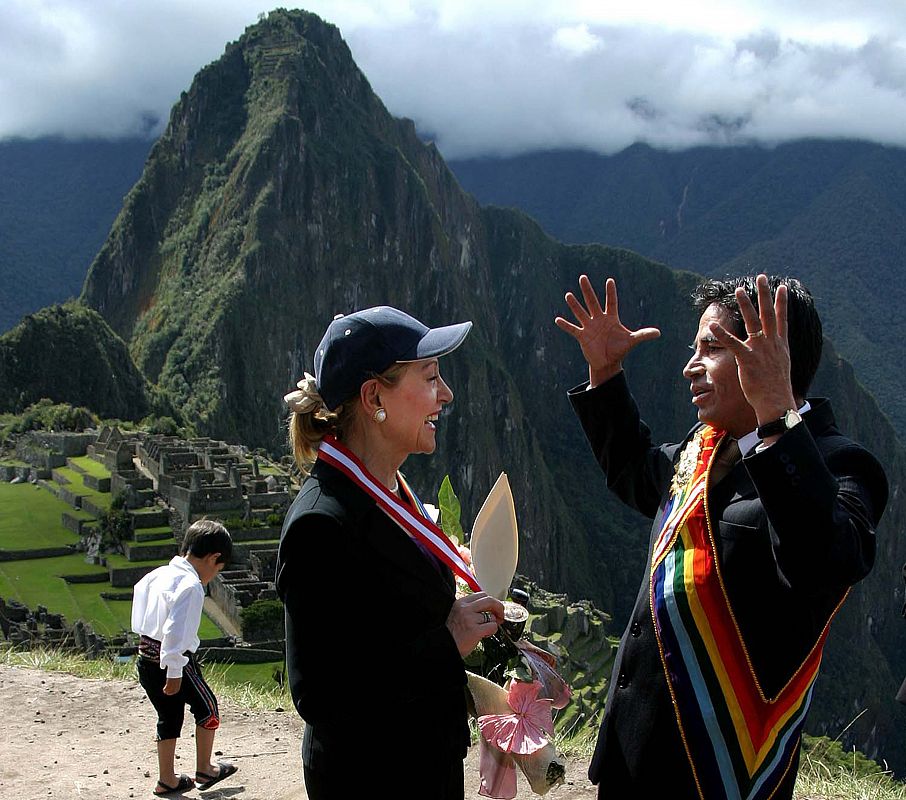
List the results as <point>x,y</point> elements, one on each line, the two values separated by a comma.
<point>803,323</point>
<point>208,536</point>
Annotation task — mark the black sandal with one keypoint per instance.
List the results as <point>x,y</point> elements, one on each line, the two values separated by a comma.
<point>205,781</point>
<point>184,784</point>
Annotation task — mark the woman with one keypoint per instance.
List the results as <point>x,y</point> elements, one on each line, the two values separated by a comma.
<point>374,635</point>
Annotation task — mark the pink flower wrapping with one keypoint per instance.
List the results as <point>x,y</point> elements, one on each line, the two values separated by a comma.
<point>497,771</point>
<point>527,729</point>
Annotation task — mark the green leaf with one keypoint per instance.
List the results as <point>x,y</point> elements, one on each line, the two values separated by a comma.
<point>448,503</point>
<point>520,669</point>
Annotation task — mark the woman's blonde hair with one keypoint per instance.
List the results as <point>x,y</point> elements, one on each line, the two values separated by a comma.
<point>310,420</point>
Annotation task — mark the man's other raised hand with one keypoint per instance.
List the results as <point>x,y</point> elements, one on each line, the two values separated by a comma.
<point>604,340</point>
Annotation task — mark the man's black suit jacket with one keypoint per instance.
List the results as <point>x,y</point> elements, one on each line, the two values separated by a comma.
<point>795,527</point>
<point>372,667</point>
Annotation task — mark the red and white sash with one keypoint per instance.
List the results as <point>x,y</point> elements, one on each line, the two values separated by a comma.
<point>419,527</point>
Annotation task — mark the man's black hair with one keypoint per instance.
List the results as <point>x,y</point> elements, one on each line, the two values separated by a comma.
<point>803,323</point>
<point>208,536</point>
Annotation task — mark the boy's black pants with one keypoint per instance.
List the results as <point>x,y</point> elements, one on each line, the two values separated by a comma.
<point>194,692</point>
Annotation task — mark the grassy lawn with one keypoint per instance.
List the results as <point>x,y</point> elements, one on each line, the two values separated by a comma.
<point>142,548</point>
<point>161,530</point>
<point>92,467</point>
<point>30,518</point>
<point>208,629</point>
<point>159,534</point>
<point>121,562</point>
<point>107,617</point>
<point>77,486</point>
<point>261,676</point>
<point>37,582</point>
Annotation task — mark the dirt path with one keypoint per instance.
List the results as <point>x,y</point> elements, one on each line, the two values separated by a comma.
<point>68,737</point>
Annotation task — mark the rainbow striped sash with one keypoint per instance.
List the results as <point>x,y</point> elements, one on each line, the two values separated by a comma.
<point>740,743</point>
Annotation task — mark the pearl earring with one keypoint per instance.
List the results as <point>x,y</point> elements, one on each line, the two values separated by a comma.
<point>379,416</point>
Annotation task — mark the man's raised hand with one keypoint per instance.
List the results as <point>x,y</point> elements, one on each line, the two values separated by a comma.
<point>604,340</point>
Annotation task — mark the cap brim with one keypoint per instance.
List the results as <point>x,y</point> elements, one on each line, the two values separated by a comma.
<point>438,342</point>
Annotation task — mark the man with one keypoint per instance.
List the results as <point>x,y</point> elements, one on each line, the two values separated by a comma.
<point>749,558</point>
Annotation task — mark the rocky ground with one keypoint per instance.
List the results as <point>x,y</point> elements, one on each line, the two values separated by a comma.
<point>68,737</point>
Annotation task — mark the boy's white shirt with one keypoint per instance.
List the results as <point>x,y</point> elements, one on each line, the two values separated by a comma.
<point>167,605</point>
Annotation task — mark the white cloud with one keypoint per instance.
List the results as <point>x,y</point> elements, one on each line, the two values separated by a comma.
<point>576,39</point>
<point>500,77</point>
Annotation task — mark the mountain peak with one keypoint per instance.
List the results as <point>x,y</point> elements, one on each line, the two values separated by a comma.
<point>279,165</point>
<point>276,91</point>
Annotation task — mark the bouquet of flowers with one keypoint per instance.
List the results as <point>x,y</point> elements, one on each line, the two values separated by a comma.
<point>514,710</point>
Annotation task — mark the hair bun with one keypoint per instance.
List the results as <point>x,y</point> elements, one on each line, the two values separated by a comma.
<point>306,397</point>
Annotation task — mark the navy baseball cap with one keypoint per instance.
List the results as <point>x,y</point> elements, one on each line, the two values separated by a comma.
<point>365,343</point>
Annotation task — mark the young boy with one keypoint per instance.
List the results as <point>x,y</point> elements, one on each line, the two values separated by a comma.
<point>166,611</point>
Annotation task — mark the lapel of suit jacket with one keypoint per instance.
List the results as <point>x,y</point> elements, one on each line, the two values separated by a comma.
<point>736,485</point>
<point>380,533</point>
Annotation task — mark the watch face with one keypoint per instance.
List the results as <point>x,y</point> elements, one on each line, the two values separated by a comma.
<point>791,418</point>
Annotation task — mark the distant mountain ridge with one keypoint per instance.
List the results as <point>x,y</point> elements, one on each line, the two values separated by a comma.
<point>832,213</point>
<point>829,212</point>
<point>57,201</point>
<point>283,192</point>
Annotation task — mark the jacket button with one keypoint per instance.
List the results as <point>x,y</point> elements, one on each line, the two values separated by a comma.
<point>635,630</point>
<point>622,681</point>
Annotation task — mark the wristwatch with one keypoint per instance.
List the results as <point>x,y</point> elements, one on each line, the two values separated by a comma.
<point>790,419</point>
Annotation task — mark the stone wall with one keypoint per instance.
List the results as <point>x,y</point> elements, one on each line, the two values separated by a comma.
<point>46,552</point>
<point>264,563</point>
<point>37,455</point>
<point>127,577</point>
<point>66,443</point>
<point>239,655</point>
<point>208,498</point>
<point>131,477</point>
<point>25,628</point>
<point>233,590</point>
<point>236,589</point>
<point>98,484</point>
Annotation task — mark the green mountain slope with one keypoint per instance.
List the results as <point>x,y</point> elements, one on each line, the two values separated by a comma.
<point>69,354</point>
<point>831,212</point>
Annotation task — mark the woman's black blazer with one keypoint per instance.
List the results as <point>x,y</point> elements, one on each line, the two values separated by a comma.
<point>367,647</point>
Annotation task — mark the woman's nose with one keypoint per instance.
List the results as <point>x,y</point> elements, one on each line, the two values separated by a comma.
<point>445,395</point>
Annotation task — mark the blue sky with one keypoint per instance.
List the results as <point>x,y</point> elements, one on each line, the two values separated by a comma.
<point>493,78</point>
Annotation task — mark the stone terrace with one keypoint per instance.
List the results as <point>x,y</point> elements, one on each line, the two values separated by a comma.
<point>166,483</point>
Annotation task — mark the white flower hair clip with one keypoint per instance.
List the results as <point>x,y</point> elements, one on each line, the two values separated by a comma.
<point>306,397</point>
